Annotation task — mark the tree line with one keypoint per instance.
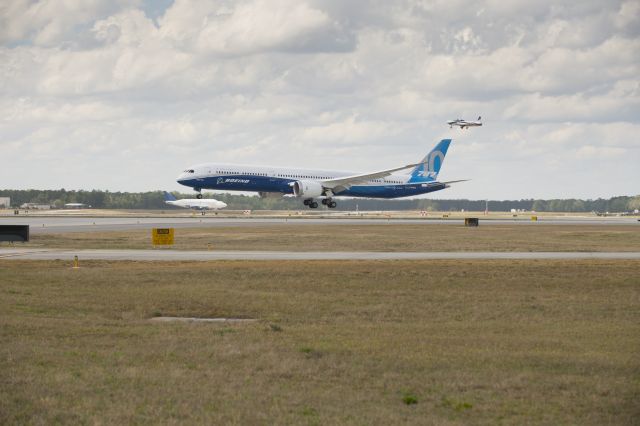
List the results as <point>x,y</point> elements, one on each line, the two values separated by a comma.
<point>155,200</point>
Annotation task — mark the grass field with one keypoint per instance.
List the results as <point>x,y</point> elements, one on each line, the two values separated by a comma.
<point>405,237</point>
<point>428,342</point>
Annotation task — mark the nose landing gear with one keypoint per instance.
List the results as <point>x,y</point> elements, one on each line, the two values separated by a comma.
<point>199,193</point>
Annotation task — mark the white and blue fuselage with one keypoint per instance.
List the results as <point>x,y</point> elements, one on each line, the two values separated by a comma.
<point>311,184</point>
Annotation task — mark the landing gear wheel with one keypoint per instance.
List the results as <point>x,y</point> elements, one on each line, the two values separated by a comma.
<point>307,202</point>
<point>199,196</point>
<point>332,204</point>
<point>313,205</point>
<point>325,201</point>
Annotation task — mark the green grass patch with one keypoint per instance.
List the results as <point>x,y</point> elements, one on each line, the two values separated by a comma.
<point>381,237</point>
<point>409,399</point>
<point>460,342</point>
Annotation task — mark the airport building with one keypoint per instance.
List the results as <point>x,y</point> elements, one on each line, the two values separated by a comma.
<point>35,206</point>
<point>5,202</point>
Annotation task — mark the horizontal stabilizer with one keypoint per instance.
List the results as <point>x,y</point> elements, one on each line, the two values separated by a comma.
<point>456,181</point>
<point>448,183</point>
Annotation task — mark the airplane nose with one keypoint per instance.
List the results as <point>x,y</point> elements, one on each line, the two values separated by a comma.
<point>182,179</point>
<point>186,176</point>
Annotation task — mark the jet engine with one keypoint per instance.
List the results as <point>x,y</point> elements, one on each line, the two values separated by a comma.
<point>307,188</point>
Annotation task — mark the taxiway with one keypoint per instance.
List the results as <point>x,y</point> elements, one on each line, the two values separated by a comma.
<point>187,255</point>
<point>63,224</point>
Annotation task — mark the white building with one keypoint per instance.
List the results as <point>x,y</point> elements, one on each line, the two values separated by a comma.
<point>35,206</point>
<point>5,202</point>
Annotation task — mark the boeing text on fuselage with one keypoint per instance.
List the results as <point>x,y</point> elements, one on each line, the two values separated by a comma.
<point>312,185</point>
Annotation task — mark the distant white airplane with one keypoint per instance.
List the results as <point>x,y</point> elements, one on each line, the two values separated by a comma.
<point>194,203</point>
<point>464,123</point>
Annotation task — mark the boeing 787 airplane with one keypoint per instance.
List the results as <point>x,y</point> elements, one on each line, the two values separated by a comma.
<point>315,184</point>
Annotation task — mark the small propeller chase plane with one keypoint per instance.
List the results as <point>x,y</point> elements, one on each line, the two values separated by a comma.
<point>464,123</point>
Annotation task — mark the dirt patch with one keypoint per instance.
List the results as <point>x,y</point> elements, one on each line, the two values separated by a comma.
<point>194,319</point>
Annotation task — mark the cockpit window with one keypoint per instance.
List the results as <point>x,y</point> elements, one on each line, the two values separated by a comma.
<point>190,171</point>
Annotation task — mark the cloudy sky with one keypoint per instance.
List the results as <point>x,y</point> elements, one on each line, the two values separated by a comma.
<point>123,95</point>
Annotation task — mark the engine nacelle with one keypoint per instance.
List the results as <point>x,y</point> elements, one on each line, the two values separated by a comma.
<point>307,188</point>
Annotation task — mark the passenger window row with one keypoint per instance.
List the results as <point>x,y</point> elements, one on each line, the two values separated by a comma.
<point>291,176</point>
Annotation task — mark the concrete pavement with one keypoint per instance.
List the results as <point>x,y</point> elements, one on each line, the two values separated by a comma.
<point>186,255</point>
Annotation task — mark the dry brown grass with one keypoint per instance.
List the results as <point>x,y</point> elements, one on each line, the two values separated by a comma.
<point>392,237</point>
<point>480,342</point>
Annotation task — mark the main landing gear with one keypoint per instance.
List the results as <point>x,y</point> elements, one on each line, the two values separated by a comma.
<point>314,205</point>
<point>309,202</point>
<point>329,203</point>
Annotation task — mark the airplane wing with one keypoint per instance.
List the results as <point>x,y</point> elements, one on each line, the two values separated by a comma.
<point>343,183</point>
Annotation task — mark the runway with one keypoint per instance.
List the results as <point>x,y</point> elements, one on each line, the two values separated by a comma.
<point>67,224</point>
<point>183,255</point>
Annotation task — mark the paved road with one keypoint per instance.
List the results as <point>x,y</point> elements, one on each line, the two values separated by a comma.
<point>163,254</point>
<point>57,224</point>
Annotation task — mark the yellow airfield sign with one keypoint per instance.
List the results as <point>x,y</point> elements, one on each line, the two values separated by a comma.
<point>162,236</point>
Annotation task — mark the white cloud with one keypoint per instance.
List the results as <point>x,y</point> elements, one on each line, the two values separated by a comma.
<point>348,131</point>
<point>620,103</point>
<point>628,17</point>
<point>599,152</point>
<point>27,110</point>
<point>246,27</point>
<point>49,22</point>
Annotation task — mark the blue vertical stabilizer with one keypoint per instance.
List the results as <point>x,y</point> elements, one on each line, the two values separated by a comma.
<point>168,196</point>
<point>432,162</point>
